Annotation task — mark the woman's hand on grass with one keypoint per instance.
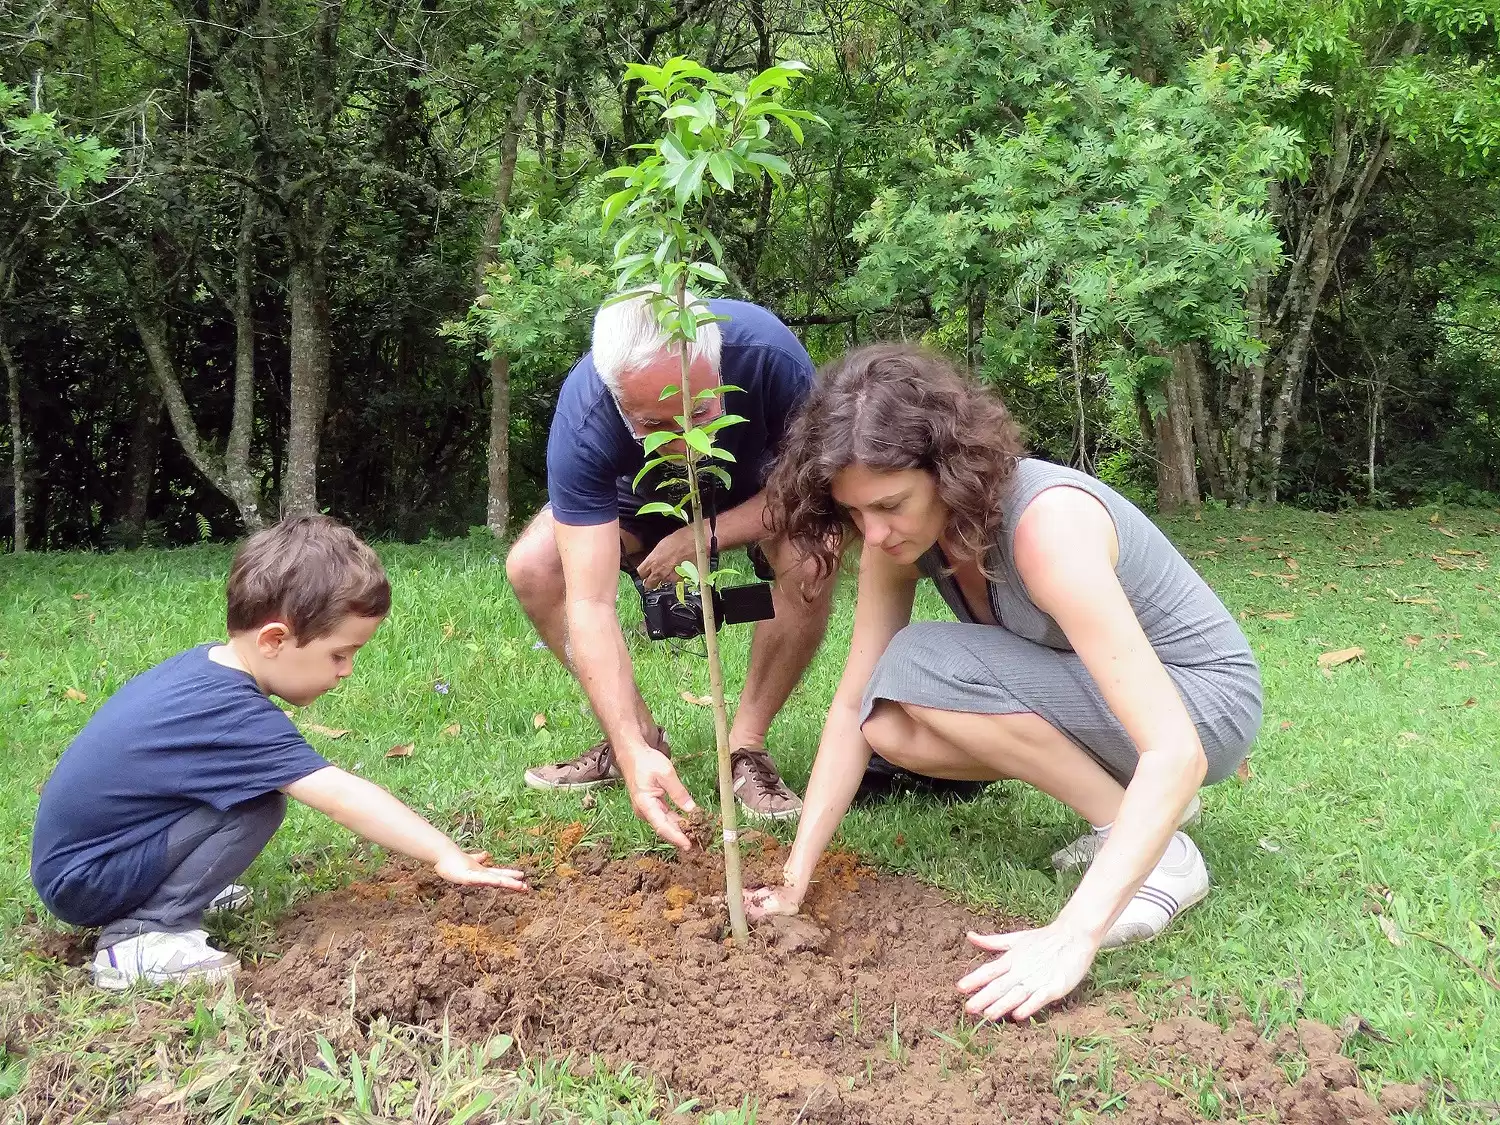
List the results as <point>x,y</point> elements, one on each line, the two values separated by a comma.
<point>763,902</point>
<point>468,869</point>
<point>1035,968</point>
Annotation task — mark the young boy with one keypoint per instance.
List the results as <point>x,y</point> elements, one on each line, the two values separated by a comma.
<point>181,778</point>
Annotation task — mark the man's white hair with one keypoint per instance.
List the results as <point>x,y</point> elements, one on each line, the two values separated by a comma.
<point>627,338</point>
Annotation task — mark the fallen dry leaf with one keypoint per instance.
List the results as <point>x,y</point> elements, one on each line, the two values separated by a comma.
<point>326,732</point>
<point>1341,656</point>
<point>1291,564</point>
<point>1252,538</point>
<point>402,751</point>
<point>452,730</point>
<point>1409,736</point>
<point>1286,724</point>
<point>1355,1024</point>
<point>698,700</point>
<point>538,721</point>
<point>1449,534</point>
<point>80,597</point>
<point>76,696</point>
<point>447,629</point>
<point>1413,639</point>
<point>1391,930</point>
<point>1461,665</point>
<point>1279,616</point>
<point>1269,845</point>
<point>1244,773</point>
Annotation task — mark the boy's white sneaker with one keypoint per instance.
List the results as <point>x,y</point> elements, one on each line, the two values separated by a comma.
<point>159,958</point>
<point>232,897</point>
<point>1081,852</point>
<point>1179,880</point>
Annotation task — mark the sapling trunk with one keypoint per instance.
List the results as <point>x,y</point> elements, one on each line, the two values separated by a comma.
<point>733,884</point>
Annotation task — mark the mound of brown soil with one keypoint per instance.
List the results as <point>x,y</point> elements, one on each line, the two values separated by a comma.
<point>848,1014</point>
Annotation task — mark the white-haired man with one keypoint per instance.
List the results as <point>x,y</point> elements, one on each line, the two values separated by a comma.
<point>564,566</point>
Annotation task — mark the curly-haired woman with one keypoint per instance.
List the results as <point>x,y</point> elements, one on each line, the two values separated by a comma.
<point>1088,659</point>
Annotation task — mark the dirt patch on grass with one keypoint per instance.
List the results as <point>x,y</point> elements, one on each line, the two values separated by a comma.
<point>848,1014</point>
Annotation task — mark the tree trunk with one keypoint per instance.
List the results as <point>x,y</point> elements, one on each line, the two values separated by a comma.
<point>1333,215</point>
<point>244,490</point>
<point>17,443</point>
<point>153,333</point>
<point>1176,473</point>
<point>140,467</point>
<point>1206,432</point>
<point>497,503</point>
<point>307,281</point>
<point>1246,394</point>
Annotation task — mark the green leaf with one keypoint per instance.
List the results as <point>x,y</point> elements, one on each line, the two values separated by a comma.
<point>720,422</point>
<point>669,391</point>
<point>770,162</point>
<point>689,570</point>
<point>723,169</point>
<point>691,181</point>
<point>718,474</point>
<point>657,508</point>
<point>615,204</point>
<point>655,441</point>
<point>698,440</point>
<point>709,271</point>
<point>721,453</point>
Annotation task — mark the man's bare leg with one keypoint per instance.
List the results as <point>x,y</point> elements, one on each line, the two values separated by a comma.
<point>783,647</point>
<point>534,569</point>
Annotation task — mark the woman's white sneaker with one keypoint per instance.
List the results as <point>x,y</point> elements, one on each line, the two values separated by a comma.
<point>1081,852</point>
<point>233,897</point>
<point>1179,880</point>
<point>158,958</point>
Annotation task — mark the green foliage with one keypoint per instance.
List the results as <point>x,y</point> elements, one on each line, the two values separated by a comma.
<point>1084,200</point>
<point>717,130</point>
<point>75,161</point>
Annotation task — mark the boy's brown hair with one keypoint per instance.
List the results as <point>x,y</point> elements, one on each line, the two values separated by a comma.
<point>308,571</point>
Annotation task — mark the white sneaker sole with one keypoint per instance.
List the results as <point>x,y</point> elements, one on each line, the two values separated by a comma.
<point>1183,906</point>
<point>535,782</point>
<point>753,814</point>
<point>117,980</point>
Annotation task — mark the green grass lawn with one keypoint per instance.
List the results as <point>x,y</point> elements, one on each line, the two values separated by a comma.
<point>1357,871</point>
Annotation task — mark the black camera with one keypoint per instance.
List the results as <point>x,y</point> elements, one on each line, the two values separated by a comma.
<point>667,617</point>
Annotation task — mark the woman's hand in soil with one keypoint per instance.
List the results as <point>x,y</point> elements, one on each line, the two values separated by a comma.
<point>469,869</point>
<point>763,902</point>
<point>1036,968</point>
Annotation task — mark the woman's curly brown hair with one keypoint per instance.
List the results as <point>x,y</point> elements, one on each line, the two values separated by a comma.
<point>891,407</point>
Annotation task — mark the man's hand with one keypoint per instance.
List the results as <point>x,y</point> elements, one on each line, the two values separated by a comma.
<point>659,568</point>
<point>1036,968</point>
<point>468,868</point>
<point>652,781</point>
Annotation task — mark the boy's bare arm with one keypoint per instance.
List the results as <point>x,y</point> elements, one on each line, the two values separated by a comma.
<point>369,811</point>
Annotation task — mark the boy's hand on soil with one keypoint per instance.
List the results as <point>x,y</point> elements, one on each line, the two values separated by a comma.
<point>1036,968</point>
<point>652,782</point>
<point>468,868</point>
<point>763,902</point>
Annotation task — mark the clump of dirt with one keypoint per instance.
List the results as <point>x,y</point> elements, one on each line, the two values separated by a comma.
<point>847,1013</point>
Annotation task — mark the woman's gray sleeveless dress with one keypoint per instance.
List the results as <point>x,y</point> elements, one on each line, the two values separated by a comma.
<point>1026,664</point>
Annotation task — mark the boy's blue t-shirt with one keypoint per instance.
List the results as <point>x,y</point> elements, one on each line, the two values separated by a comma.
<point>187,733</point>
<point>592,458</point>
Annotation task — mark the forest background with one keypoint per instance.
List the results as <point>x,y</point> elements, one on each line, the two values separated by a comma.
<point>283,255</point>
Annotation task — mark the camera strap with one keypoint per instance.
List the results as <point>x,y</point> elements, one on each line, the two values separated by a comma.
<point>710,503</point>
